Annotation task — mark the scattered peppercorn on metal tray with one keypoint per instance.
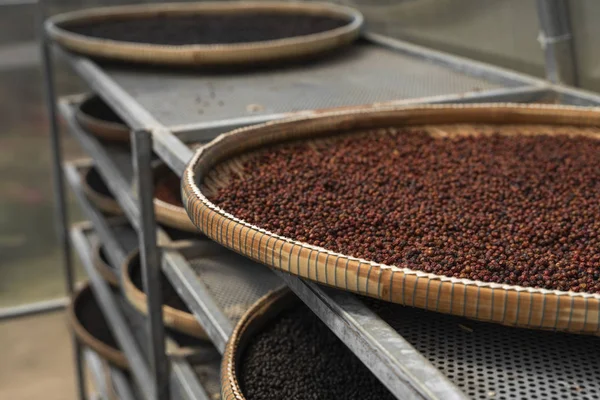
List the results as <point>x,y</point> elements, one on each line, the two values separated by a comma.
<point>510,275</point>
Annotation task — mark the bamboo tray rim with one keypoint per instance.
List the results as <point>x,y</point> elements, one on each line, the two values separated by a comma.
<point>54,25</point>
<point>103,202</point>
<point>169,214</point>
<point>260,312</point>
<point>92,123</point>
<point>112,354</point>
<point>189,181</point>
<point>87,118</point>
<point>109,274</point>
<point>173,318</point>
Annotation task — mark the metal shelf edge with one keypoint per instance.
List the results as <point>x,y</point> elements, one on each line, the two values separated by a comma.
<point>98,372</point>
<point>134,115</point>
<point>457,63</point>
<point>197,297</point>
<point>118,185</point>
<point>122,385</point>
<point>187,385</point>
<point>205,131</point>
<point>394,361</point>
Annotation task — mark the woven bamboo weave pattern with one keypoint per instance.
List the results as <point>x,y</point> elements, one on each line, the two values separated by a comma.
<point>494,302</point>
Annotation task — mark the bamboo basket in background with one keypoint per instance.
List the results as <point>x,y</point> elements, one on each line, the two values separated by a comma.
<point>82,312</point>
<point>180,320</point>
<point>297,47</point>
<point>91,114</point>
<point>103,266</point>
<point>98,193</point>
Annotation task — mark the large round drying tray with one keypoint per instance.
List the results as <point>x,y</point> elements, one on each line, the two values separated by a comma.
<point>91,329</point>
<point>176,318</point>
<point>97,118</point>
<point>494,302</point>
<point>205,54</point>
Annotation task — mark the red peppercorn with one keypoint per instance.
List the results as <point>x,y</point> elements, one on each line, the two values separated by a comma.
<point>514,209</point>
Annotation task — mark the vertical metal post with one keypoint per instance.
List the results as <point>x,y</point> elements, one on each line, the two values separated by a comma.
<point>60,204</point>
<point>142,153</point>
<point>557,41</point>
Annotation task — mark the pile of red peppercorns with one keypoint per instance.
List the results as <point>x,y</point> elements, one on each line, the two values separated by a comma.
<point>504,208</point>
<point>167,188</point>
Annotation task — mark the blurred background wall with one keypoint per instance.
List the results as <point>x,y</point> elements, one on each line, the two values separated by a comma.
<point>501,32</point>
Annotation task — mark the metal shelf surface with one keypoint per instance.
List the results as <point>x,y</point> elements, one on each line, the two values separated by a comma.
<point>374,70</point>
<point>214,280</point>
<point>489,361</point>
<point>362,74</point>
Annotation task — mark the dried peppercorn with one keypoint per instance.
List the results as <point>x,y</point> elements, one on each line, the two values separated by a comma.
<point>506,208</point>
<point>297,357</point>
<point>167,188</point>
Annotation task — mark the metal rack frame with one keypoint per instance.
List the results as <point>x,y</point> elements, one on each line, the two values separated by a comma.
<point>182,380</point>
<point>396,363</point>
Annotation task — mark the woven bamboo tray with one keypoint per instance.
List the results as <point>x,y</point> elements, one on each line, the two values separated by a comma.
<point>82,310</point>
<point>98,193</point>
<point>198,54</point>
<point>168,214</point>
<point>257,316</point>
<point>103,266</point>
<point>499,303</point>
<point>263,315</point>
<point>179,320</point>
<point>92,113</point>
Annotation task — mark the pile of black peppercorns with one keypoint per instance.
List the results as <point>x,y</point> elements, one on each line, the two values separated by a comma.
<point>511,209</point>
<point>297,357</point>
<point>209,28</point>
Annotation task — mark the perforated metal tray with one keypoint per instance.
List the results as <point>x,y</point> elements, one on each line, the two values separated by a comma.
<point>489,361</point>
<point>233,281</point>
<point>208,375</point>
<point>364,74</point>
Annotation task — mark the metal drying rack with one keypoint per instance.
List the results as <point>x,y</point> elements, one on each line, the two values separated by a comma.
<point>167,110</point>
